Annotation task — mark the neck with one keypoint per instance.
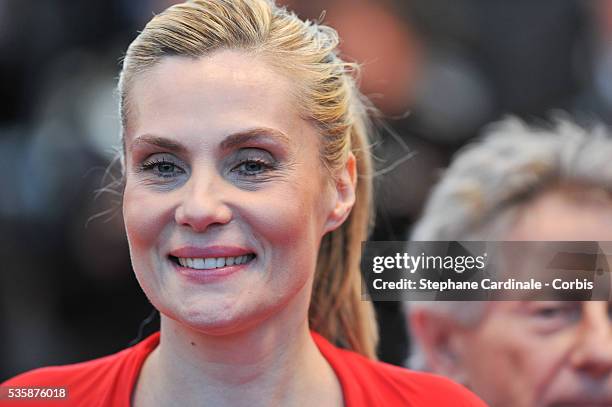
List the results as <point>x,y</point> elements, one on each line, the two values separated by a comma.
<point>276,362</point>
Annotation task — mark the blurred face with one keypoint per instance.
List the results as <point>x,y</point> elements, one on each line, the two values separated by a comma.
<point>545,353</point>
<point>226,199</point>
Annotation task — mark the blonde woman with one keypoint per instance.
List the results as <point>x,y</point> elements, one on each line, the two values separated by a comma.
<point>246,197</point>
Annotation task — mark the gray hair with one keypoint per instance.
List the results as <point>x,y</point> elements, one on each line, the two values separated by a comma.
<point>490,180</point>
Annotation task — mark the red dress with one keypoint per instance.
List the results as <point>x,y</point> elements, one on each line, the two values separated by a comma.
<point>109,381</point>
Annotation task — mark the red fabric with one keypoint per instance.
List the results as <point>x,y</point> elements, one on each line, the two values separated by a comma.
<point>109,381</point>
<point>369,383</point>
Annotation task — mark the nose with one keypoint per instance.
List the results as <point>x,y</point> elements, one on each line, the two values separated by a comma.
<point>593,352</point>
<point>203,202</point>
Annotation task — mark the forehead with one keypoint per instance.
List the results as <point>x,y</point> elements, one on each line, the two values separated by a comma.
<point>221,93</point>
<point>565,215</point>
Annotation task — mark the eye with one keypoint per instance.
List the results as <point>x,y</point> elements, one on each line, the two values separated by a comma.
<point>550,312</point>
<point>161,167</point>
<point>562,310</point>
<point>166,168</point>
<point>554,316</point>
<point>253,162</point>
<point>252,167</point>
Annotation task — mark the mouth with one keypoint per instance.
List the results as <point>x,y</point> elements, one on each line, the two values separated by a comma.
<point>212,263</point>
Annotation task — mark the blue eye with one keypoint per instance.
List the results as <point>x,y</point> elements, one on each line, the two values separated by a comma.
<point>252,167</point>
<point>253,164</point>
<point>165,168</point>
<point>162,168</point>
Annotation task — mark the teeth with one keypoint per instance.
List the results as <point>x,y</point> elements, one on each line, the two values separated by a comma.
<point>213,262</point>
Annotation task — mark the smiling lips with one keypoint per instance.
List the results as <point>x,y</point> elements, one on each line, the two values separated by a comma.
<point>209,263</point>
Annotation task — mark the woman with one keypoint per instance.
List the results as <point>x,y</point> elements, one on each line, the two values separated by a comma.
<point>246,198</point>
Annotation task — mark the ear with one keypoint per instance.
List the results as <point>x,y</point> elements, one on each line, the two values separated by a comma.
<point>440,340</point>
<point>343,194</point>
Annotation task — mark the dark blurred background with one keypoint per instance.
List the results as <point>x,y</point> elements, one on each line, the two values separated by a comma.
<point>438,70</point>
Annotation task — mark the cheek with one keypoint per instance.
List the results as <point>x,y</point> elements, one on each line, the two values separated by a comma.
<point>522,362</point>
<point>143,217</point>
<point>289,221</point>
<point>281,218</point>
<point>294,215</point>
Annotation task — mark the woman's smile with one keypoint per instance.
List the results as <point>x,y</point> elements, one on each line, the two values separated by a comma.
<point>212,263</point>
<point>208,263</point>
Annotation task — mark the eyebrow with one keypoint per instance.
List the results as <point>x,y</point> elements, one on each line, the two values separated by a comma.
<point>161,142</point>
<point>255,134</point>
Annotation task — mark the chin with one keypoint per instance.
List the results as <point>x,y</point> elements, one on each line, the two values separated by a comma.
<point>217,319</point>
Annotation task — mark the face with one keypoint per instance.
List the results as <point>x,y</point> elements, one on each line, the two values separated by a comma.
<point>545,353</point>
<point>226,199</point>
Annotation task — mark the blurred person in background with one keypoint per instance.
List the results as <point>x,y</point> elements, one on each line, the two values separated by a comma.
<point>522,183</point>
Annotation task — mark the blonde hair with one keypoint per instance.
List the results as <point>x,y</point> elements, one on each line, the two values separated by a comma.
<point>328,95</point>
